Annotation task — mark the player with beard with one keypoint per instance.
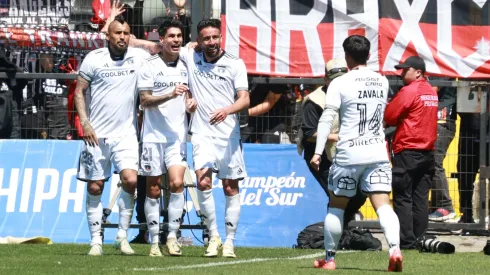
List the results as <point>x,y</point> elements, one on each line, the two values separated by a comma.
<point>108,77</point>
<point>219,84</point>
<point>165,98</point>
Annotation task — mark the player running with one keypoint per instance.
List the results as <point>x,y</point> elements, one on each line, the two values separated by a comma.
<point>165,98</point>
<point>360,96</point>
<point>219,83</point>
<point>108,76</point>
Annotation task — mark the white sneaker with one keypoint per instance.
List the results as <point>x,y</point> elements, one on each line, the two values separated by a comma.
<point>173,247</point>
<point>155,251</point>
<point>228,251</point>
<point>95,250</point>
<point>213,246</point>
<point>123,245</point>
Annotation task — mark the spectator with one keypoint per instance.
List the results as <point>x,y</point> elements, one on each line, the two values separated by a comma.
<point>413,110</point>
<point>441,201</point>
<point>312,109</point>
<point>54,94</point>
<point>468,162</point>
<point>267,113</point>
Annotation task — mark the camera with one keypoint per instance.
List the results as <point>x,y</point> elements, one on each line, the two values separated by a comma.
<point>428,243</point>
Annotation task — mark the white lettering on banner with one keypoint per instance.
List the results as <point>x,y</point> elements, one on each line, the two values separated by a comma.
<point>369,20</point>
<point>463,66</point>
<point>37,12</point>
<point>285,23</point>
<point>269,187</point>
<point>66,195</point>
<point>11,191</point>
<point>47,183</point>
<point>40,195</point>
<point>26,190</point>
<point>410,31</point>
<point>260,18</point>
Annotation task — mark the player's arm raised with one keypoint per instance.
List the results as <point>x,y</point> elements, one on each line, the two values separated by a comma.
<point>243,96</point>
<point>89,135</point>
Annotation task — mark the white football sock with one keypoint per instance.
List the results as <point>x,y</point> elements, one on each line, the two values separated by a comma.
<point>232,215</point>
<point>152,214</point>
<point>94,217</point>
<point>175,209</point>
<point>333,231</point>
<point>126,205</point>
<point>206,202</point>
<point>391,226</point>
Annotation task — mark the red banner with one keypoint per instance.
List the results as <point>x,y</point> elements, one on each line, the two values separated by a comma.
<point>296,40</point>
<point>52,41</point>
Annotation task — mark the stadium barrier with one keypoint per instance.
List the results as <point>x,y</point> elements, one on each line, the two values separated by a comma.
<point>40,195</point>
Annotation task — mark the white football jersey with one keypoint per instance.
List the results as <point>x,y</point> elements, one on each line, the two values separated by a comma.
<point>111,101</point>
<point>360,96</point>
<point>214,86</point>
<point>166,122</point>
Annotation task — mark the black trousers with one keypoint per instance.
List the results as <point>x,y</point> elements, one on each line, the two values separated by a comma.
<point>439,187</point>
<point>468,166</point>
<point>412,175</point>
<point>321,176</point>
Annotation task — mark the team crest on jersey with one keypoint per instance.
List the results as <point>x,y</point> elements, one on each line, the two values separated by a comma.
<point>4,87</point>
<point>147,168</point>
<point>183,73</point>
<point>221,69</point>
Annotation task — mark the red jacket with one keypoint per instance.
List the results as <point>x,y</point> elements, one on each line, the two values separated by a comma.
<point>414,113</point>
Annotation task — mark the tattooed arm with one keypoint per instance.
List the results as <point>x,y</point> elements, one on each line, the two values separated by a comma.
<point>88,132</point>
<point>148,100</point>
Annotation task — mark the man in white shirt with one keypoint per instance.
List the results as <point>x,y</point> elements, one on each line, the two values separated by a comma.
<point>165,97</point>
<point>108,78</point>
<point>361,160</point>
<point>218,81</point>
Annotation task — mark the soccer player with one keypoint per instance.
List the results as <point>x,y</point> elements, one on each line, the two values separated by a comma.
<point>219,84</point>
<point>108,76</point>
<point>164,101</point>
<point>360,97</point>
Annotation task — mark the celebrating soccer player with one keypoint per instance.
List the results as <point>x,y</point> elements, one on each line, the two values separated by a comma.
<point>219,83</point>
<point>109,126</point>
<point>164,98</point>
<point>360,98</point>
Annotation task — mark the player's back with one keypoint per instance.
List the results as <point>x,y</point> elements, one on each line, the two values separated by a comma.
<point>214,86</point>
<point>363,96</point>
<point>112,97</point>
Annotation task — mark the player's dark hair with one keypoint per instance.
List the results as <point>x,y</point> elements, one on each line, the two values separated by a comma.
<point>215,23</point>
<point>167,24</point>
<point>357,47</point>
<point>120,19</point>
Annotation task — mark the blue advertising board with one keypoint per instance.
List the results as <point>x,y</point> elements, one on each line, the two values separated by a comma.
<point>40,195</point>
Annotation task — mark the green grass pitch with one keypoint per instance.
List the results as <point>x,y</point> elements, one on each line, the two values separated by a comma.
<point>71,259</point>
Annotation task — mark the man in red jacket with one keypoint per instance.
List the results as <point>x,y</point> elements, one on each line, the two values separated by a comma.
<point>414,113</point>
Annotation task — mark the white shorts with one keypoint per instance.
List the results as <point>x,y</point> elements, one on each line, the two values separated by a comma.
<point>157,157</point>
<point>95,162</point>
<point>224,156</point>
<point>344,181</point>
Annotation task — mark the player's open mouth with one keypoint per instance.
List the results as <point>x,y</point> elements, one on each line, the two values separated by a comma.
<point>121,44</point>
<point>175,47</point>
